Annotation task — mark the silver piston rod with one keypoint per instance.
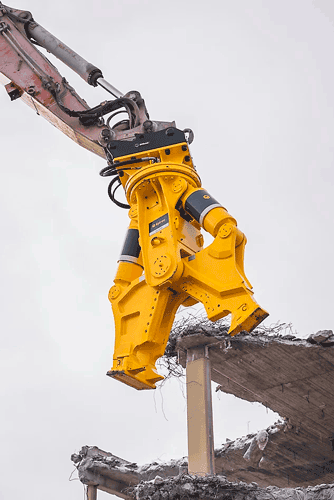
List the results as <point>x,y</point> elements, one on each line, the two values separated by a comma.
<point>90,73</point>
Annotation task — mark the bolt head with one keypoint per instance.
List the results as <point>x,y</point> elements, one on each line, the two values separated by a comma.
<point>225,230</point>
<point>25,15</point>
<point>114,292</point>
<point>148,125</point>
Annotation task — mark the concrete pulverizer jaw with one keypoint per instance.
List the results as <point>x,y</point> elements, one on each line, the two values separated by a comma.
<point>163,263</point>
<point>215,275</point>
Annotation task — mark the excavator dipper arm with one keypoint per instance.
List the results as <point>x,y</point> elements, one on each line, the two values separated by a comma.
<point>29,75</point>
<point>163,264</point>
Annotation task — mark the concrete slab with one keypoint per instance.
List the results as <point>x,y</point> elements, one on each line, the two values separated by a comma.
<point>291,376</point>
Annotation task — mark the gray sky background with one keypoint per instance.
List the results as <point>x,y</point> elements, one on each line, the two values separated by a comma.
<point>254,80</point>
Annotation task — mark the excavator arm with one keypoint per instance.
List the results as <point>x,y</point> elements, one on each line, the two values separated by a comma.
<point>163,263</point>
<point>29,75</point>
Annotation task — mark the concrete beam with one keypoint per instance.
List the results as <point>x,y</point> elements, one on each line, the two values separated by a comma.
<point>199,412</point>
<point>96,481</point>
<point>91,492</point>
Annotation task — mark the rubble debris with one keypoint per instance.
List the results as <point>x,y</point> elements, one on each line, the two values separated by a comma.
<point>219,488</point>
<point>255,450</point>
<point>243,459</point>
<point>169,480</point>
<point>115,475</point>
<point>324,337</point>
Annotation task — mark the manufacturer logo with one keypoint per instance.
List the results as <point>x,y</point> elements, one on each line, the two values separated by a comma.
<point>158,224</point>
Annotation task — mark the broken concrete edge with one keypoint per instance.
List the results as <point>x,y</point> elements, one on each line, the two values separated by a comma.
<point>198,330</point>
<point>91,459</point>
<point>93,463</point>
<point>129,480</point>
<point>171,481</point>
<point>253,441</point>
<point>219,488</point>
<point>218,330</point>
<point>190,333</point>
<point>90,456</point>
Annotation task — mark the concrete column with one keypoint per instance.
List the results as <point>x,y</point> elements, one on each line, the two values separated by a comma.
<point>92,492</point>
<point>199,412</point>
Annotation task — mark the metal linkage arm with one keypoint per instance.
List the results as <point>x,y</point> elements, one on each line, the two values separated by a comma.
<point>90,73</point>
<point>28,74</point>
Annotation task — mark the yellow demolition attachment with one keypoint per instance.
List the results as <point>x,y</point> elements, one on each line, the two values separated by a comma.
<point>163,263</point>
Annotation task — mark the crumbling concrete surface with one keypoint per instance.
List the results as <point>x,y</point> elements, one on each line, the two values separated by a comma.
<point>115,475</point>
<point>169,481</point>
<point>219,488</point>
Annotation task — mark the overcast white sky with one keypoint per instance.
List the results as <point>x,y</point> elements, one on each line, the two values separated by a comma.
<point>254,80</point>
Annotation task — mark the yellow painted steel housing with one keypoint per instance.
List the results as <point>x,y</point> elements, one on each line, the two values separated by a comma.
<point>173,268</point>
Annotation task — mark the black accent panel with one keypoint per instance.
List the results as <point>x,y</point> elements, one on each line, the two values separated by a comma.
<point>146,142</point>
<point>131,244</point>
<point>197,202</point>
<point>157,224</point>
